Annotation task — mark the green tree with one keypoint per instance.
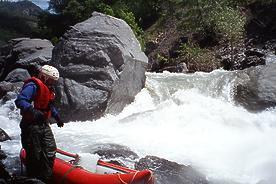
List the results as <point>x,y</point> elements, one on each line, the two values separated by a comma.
<point>230,22</point>
<point>74,11</point>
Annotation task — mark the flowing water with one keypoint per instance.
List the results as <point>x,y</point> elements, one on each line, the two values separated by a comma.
<point>186,118</point>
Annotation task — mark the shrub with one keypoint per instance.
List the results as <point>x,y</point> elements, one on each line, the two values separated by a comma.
<point>196,58</point>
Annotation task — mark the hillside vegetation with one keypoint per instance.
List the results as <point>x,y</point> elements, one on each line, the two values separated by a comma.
<point>18,19</point>
<point>195,35</point>
<point>177,35</point>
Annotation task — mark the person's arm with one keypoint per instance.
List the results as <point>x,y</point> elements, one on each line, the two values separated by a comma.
<point>55,115</point>
<point>24,101</point>
<point>26,96</point>
<point>54,111</point>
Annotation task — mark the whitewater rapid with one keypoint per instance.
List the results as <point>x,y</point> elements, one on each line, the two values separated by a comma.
<point>190,119</point>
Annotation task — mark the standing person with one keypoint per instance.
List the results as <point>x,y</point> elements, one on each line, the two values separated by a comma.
<point>35,102</point>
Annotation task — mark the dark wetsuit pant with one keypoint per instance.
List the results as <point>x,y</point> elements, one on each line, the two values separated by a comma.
<point>39,142</point>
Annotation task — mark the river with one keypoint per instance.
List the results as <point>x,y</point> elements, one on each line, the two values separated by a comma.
<point>190,119</point>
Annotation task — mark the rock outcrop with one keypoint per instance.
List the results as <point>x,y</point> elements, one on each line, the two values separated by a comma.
<point>24,53</point>
<point>102,68</point>
<point>3,136</point>
<point>257,89</point>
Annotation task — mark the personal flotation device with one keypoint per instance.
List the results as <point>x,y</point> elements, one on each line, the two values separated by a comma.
<point>43,97</point>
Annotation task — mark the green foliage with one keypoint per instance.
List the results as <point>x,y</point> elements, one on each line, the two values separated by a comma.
<point>193,53</point>
<point>230,22</point>
<point>54,40</point>
<point>106,9</point>
<point>74,11</point>
<point>220,17</point>
<point>162,59</point>
<point>122,11</point>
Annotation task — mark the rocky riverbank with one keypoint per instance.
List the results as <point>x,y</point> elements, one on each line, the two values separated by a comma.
<point>165,41</point>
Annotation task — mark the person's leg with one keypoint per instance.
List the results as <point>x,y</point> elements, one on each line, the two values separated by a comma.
<point>31,142</point>
<point>49,152</point>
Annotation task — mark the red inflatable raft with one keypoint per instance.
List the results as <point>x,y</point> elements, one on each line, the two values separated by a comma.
<point>68,172</point>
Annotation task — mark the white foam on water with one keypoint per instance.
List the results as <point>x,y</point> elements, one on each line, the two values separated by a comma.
<point>189,119</point>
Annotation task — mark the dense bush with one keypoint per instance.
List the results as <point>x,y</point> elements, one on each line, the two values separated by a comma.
<point>198,15</point>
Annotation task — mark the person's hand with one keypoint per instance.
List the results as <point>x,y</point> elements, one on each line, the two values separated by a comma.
<point>38,115</point>
<point>59,122</point>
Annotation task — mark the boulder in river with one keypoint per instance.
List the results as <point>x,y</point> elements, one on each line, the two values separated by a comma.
<point>102,68</point>
<point>256,90</point>
<point>167,172</point>
<point>3,136</point>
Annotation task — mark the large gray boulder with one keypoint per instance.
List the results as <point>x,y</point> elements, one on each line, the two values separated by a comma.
<point>24,53</point>
<point>101,65</point>
<point>257,89</point>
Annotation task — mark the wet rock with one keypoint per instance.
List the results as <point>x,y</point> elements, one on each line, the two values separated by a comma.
<point>6,87</point>
<point>253,57</point>
<point>102,68</point>
<point>9,96</point>
<point>167,172</point>
<point>111,151</point>
<point>2,154</point>
<point>25,53</point>
<point>17,75</point>
<point>179,68</point>
<point>254,52</point>
<point>116,154</point>
<point>251,61</point>
<point>241,58</point>
<point>256,90</point>
<point>4,136</point>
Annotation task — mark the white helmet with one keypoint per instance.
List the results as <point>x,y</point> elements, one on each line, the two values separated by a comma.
<point>49,72</point>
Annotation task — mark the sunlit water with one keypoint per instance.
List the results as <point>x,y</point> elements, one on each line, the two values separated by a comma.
<point>189,119</point>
